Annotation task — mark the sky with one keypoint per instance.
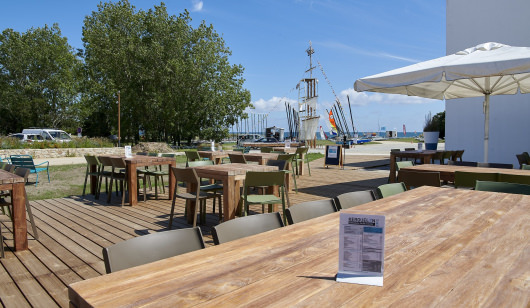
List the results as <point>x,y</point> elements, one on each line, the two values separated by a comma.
<point>351,38</point>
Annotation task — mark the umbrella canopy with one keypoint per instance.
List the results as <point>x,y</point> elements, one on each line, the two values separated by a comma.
<point>484,70</point>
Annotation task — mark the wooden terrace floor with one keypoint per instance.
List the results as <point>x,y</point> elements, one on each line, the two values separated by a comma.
<point>72,232</point>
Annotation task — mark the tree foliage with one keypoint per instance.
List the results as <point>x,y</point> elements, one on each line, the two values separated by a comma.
<point>175,81</point>
<point>39,80</point>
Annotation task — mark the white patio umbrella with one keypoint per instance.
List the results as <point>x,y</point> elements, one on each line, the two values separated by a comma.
<point>484,70</point>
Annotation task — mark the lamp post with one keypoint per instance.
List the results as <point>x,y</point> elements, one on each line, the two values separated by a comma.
<point>119,124</point>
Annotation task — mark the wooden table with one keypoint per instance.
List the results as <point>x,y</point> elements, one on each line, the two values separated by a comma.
<point>232,176</point>
<point>216,156</point>
<point>447,172</point>
<point>444,248</point>
<point>426,156</point>
<point>16,184</point>
<point>135,162</point>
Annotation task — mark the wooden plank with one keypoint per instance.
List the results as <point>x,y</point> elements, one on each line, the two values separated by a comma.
<point>10,295</point>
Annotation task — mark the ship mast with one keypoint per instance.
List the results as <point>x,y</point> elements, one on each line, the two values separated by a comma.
<point>307,102</point>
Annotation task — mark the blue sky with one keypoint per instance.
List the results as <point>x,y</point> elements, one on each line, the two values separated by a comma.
<point>352,39</point>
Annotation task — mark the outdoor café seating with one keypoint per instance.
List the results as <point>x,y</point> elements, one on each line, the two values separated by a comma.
<point>246,226</point>
<point>354,198</point>
<point>309,210</point>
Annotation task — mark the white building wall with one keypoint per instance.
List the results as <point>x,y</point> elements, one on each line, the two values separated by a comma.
<point>469,23</point>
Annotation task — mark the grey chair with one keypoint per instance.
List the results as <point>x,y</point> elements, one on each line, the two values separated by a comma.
<point>152,247</point>
<point>387,190</point>
<point>354,198</point>
<point>308,210</point>
<point>414,179</point>
<point>495,165</point>
<point>503,187</point>
<point>246,226</point>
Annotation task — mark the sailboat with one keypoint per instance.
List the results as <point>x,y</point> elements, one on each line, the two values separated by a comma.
<point>307,103</point>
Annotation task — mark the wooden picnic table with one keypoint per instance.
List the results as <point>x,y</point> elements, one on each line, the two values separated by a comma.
<point>132,164</point>
<point>216,156</point>
<point>443,247</point>
<point>232,176</point>
<point>426,157</point>
<point>447,172</point>
<point>16,184</point>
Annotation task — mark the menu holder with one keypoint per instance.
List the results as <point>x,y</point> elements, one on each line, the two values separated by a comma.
<point>128,151</point>
<point>361,249</point>
<point>333,156</point>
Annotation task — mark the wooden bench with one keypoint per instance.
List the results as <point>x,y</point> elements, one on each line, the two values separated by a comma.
<point>26,161</point>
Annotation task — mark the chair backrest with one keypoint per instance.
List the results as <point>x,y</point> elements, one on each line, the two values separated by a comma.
<point>266,149</point>
<point>286,157</point>
<point>153,154</point>
<point>197,163</point>
<point>168,155</point>
<point>8,167</point>
<point>91,160</point>
<point>525,167</point>
<point>237,158</point>
<point>245,226</point>
<point>23,172</point>
<point>301,150</point>
<point>354,198</point>
<point>268,178</point>
<point>463,163</point>
<point>468,179</point>
<point>403,164</point>
<point>24,161</point>
<point>526,157</point>
<point>388,190</point>
<point>281,164</point>
<point>495,165</point>
<point>105,161</point>
<point>153,247</point>
<point>417,178</point>
<point>192,155</point>
<point>458,154</point>
<point>188,175</point>
<point>118,162</point>
<point>503,187</point>
<point>514,178</point>
<point>308,210</point>
<point>521,160</point>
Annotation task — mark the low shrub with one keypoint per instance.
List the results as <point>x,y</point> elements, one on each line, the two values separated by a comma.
<point>83,142</point>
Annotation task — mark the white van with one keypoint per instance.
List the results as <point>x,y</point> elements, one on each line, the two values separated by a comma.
<point>49,134</point>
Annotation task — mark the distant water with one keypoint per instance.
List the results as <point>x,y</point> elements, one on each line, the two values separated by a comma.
<point>381,134</point>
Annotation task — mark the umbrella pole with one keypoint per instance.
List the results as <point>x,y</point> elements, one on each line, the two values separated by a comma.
<point>486,126</point>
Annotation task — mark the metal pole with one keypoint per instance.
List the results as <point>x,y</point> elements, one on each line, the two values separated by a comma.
<point>119,121</point>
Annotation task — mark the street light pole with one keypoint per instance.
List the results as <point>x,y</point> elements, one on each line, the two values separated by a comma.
<point>119,124</point>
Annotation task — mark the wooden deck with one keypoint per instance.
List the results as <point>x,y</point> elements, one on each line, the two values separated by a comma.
<point>74,230</point>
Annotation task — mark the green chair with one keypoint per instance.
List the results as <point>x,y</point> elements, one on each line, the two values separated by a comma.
<point>26,161</point>
<point>158,173</point>
<point>237,158</point>
<point>302,151</point>
<point>119,165</point>
<point>266,149</point>
<point>387,190</point>
<point>193,156</point>
<point>152,247</point>
<point>525,167</point>
<point>216,188</point>
<point>189,177</point>
<point>261,179</point>
<point>246,226</point>
<point>419,178</point>
<point>289,158</point>
<point>92,162</point>
<point>468,179</point>
<point>503,187</point>
<point>402,164</point>
<point>354,198</point>
<point>309,210</point>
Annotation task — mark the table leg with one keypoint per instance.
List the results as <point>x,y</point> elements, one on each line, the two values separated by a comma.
<point>132,184</point>
<point>93,180</point>
<point>172,180</point>
<point>392,177</point>
<point>230,198</point>
<point>190,204</point>
<point>20,232</point>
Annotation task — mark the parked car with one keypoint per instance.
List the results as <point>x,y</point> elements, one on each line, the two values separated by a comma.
<point>50,134</point>
<point>250,137</point>
<point>268,139</point>
<point>27,137</point>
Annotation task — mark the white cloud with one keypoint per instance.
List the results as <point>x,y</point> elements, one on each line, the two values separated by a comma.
<point>197,5</point>
<point>364,52</point>
<point>273,104</point>
<point>364,98</point>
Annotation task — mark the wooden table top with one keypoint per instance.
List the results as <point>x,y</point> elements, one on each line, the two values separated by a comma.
<point>9,178</point>
<point>231,169</point>
<point>444,247</point>
<point>453,168</point>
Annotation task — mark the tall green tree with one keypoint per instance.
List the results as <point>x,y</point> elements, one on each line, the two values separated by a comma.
<point>175,81</point>
<point>39,80</point>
